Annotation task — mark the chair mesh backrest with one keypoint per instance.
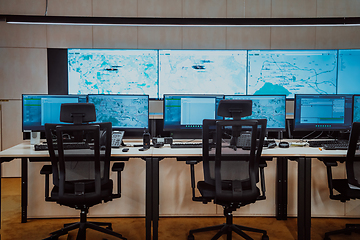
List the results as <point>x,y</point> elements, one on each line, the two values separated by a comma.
<point>232,169</point>
<point>71,166</point>
<point>353,156</point>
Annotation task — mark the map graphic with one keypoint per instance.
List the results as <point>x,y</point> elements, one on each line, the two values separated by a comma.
<point>292,72</point>
<point>273,108</point>
<point>202,71</point>
<point>129,112</point>
<point>349,71</point>
<point>95,71</point>
<point>356,115</point>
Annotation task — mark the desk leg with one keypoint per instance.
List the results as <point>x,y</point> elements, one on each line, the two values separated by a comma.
<point>24,189</point>
<point>0,194</point>
<point>152,197</point>
<point>149,198</point>
<point>304,198</point>
<point>281,188</point>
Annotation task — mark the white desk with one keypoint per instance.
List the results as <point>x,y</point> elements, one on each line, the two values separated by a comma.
<point>152,157</point>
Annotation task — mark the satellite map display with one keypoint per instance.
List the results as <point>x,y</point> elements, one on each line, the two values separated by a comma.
<point>270,107</point>
<point>103,71</point>
<point>356,114</point>
<point>349,71</point>
<point>292,72</point>
<point>122,111</point>
<point>202,71</point>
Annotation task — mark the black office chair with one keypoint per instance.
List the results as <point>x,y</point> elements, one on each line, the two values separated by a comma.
<point>80,176</point>
<point>348,188</point>
<point>231,170</point>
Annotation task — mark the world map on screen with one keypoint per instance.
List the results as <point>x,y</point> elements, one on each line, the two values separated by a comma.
<point>113,72</point>
<point>292,72</point>
<point>202,71</point>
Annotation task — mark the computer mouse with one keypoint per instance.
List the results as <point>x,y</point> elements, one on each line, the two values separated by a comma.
<point>271,145</point>
<point>283,144</point>
<point>125,149</point>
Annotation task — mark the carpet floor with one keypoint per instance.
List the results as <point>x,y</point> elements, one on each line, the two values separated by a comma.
<point>174,228</point>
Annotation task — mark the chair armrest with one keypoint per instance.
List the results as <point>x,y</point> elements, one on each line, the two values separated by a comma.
<point>47,170</point>
<point>192,172</point>
<point>118,167</point>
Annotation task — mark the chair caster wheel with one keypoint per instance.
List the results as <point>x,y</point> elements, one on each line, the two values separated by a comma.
<point>191,237</point>
<point>265,237</point>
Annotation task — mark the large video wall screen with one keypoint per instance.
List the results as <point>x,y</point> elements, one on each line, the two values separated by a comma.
<point>228,72</point>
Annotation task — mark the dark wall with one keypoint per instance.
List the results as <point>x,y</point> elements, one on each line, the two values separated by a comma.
<point>57,71</point>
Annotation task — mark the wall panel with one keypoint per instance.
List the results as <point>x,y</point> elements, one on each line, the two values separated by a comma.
<point>160,37</point>
<point>204,38</point>
<point>293,8</point>
<point>69,36</point>
<point>23,71</point>
<point>160,8</point>
<point>248,38</point>
<point>69,8</point>
<point>204,8</point>
<point>22,35</point>
<point>257,8</point>
<point>115,37</point>
<point>337,37</point>
<point>336,8</point>
<point>33,7</point>
<point>114,8</point>
<point>293,38</point>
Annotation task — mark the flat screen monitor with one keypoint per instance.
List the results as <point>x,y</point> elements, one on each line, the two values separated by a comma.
<point>349,71</point>
<point>271,107</point>
<point>187,112</point>
<point>290,72</point>
<point>113,71</point>
<point>202,72</point>
<point>125,112</point>
<point>356,108</point>
<point>38,109</point>
<point>322,112</point>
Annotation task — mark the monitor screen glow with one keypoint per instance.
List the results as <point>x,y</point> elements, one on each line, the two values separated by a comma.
<point>40,109</point>
<point>187,112</point>
<point>323,112</point>
<point>271,107</point>
<point>125,112</point>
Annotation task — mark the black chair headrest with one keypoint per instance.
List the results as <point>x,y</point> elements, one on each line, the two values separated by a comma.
<point>235,108</point>
<point>77,113</point>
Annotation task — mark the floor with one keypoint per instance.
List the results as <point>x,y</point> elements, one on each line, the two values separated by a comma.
<point>169,228</point>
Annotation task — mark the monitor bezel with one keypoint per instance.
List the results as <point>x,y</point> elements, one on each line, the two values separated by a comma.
<point>276,95</point>
<point>188,130</point>
<point>128,95</point>
<point>313,128</point>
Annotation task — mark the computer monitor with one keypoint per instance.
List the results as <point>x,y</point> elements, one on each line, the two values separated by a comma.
<point>271,107</point>
<point>349,71</point>
<point>187,112</point>
<point>38,109</point>
<point>202,72</point>
<point>323,112</point>
<point>356,108</point>
<point>292,72</point>
<point>113,71</point>
<point>125,112</point>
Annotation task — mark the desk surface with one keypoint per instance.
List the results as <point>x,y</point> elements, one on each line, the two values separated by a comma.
<point>26,150</point>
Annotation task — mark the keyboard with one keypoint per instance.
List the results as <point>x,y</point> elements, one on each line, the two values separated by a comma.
<point>67,146</point>
<point>320,143</point>
<point>186,145</point>
<point>336,146</point>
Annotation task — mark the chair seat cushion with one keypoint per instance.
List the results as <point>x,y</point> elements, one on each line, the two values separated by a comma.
<point>208,191</point>
<point>86,198</point>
